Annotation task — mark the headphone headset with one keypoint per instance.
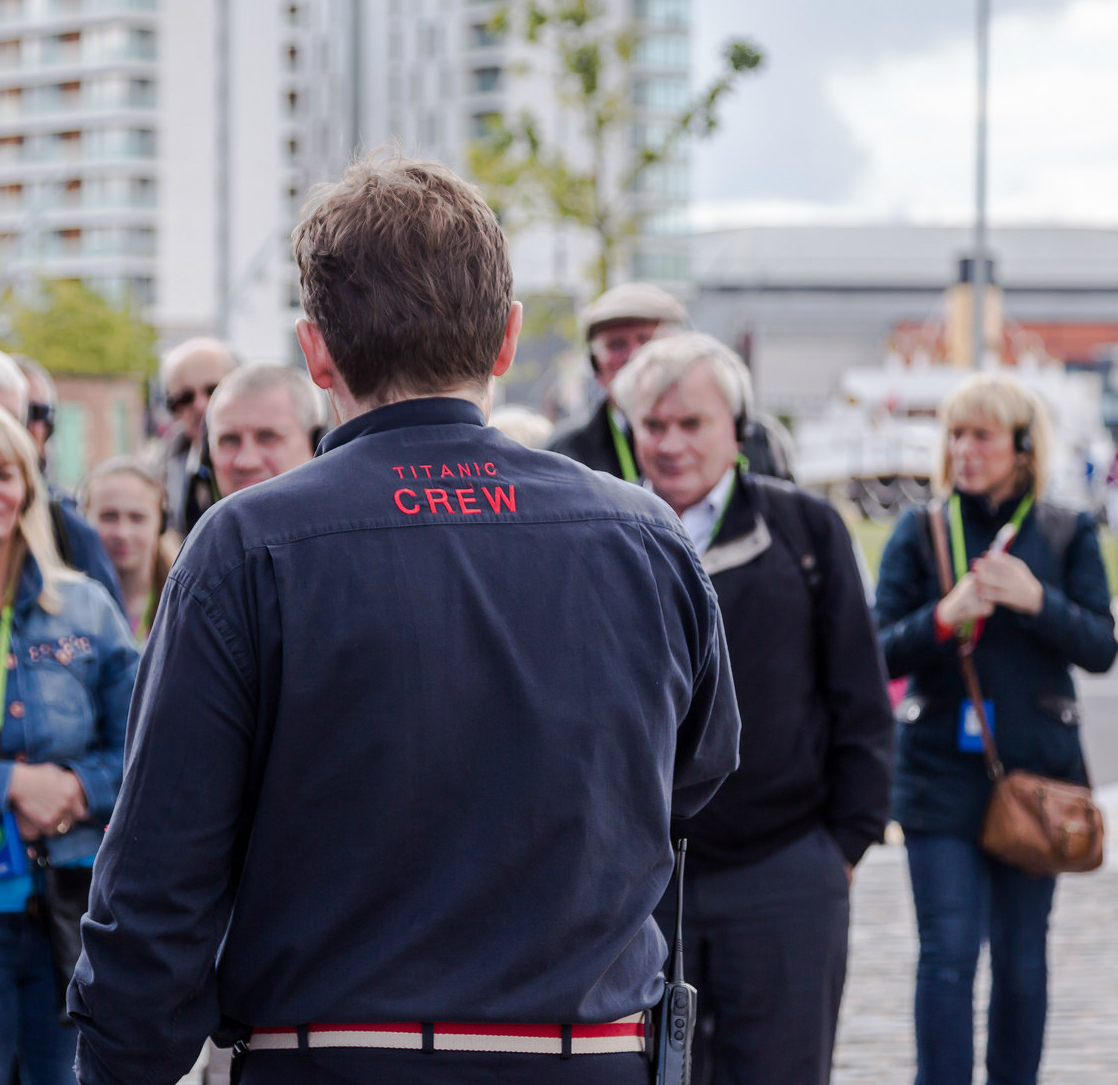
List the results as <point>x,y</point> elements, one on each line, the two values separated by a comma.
<point>1023,437</point>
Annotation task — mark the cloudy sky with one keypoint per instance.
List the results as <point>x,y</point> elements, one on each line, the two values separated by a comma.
<point>865,111</point>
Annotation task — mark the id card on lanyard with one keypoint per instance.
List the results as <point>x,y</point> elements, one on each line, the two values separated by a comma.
<point>970,730</point>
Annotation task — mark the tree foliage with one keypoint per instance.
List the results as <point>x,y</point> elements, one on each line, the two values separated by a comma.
<point>527,177</point>
<point>72,330</point>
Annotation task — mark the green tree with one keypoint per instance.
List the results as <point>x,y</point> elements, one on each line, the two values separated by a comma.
<point>74,331</point>
<point>526,176</point>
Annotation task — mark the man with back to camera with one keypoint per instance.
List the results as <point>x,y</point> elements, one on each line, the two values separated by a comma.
<point>393,761</point>
<point>769,859</point>
<point>262,420</point>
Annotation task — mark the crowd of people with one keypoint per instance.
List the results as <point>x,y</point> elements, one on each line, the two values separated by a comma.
<point>419,717</point>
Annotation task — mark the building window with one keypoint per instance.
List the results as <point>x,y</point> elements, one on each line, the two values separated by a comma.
<point>482,124</point>
<point>482,36</point>
<point>9,54</point>
<point>11,148</point>
<point>292,103</point>
<point>662,11</point>
<point>666,93</point>
<point>669,51</point>
<point>292,58</point>
<point>484,80</point>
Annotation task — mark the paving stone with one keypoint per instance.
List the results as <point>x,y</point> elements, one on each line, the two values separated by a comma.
<point>875,1040</point>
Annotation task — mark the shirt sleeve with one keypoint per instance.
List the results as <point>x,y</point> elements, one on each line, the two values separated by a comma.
<point>707,739</point>
<point>144,993</point>
<point>905,611</point>
<point>852,676</point>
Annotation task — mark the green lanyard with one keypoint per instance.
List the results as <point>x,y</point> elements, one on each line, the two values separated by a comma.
<point>958,543</point>
<point>145,619</point>
<point>624,452</point>
<point>5,646</point>
<point>725,507</point>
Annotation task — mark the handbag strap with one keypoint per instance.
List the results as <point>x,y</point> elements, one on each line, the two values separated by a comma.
<point>964,646</point>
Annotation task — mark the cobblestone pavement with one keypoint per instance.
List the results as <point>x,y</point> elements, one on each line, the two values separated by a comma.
<point>875,1041</point>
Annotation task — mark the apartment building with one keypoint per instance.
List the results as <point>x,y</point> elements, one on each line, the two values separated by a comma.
<point>437,73</point>
<point>160,150</point>
<point>78,143</point>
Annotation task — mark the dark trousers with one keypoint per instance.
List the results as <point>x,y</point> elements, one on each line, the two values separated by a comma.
<point>765,944</point>
<point>30,1034</point>
<point>962,896</point>
<point>347,1066</point>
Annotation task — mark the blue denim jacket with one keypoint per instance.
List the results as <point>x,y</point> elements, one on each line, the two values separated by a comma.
<point>70,678</point>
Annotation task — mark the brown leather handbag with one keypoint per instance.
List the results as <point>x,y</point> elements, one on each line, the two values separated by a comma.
<point>1043,826</point>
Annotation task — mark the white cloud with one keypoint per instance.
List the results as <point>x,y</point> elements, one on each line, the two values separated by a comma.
<point>1053,127</point>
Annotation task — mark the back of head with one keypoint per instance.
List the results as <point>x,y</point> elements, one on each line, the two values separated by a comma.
<point>632,303</point>
<point>405,272</point>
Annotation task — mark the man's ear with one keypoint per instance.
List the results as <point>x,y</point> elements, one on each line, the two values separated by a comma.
<point>319,363</point>
<point>508,345</point>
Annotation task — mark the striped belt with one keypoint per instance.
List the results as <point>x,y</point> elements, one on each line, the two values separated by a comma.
<point>606,1039</point>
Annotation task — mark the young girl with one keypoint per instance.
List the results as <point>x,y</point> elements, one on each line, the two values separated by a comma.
<point>126,503</point>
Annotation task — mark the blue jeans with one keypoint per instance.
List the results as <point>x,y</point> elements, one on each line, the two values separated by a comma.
<point>29,1030</point>
<point>963,898</point>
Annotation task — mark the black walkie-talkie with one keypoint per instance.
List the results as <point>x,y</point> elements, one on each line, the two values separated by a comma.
<point>678,1006</point>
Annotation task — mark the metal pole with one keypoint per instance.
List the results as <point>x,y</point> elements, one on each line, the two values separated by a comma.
<point>223,284</point>
<point>979,329</point>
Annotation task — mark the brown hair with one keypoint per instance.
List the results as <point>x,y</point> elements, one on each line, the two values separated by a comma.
<point>405,271</point>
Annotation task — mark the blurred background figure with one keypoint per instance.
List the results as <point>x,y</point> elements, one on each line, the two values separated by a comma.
<point>126,503</point>
<point>766,906</point>
<point>263,420</point>
<point>190,373</point>
<point>76,542</point>
<point>1032,613</point>
<point>70,666</point>
<point>614,326</point>
<point>529,428</point>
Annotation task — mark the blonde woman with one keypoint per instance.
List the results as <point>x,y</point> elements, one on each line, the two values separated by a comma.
<point>69,665</point>
<point>1033,611</point>
<point>127,504</point>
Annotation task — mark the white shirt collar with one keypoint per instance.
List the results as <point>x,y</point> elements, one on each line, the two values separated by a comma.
<point>700,520</point>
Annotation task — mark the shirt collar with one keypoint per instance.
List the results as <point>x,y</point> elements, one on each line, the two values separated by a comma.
<point>429,411</point>
<point>700,520</point>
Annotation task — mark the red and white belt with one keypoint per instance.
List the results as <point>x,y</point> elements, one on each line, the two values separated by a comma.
<point>606,1039</point>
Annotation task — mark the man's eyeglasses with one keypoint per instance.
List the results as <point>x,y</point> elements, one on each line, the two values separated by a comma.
<point>181,400</point>
<point>40,412</point>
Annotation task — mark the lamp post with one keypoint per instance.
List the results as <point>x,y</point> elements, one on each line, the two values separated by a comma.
<point>979,308</point>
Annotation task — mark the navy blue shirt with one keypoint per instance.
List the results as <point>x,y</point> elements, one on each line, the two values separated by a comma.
<point>405,743</point>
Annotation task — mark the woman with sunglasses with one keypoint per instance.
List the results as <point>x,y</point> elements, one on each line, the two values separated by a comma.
<point>127,505</point>
<point>69,666</point>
